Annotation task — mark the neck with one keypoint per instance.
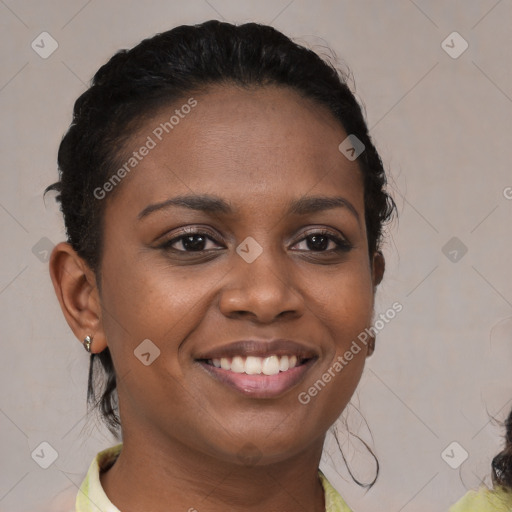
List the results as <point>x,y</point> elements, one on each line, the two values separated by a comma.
<point>153,474</point>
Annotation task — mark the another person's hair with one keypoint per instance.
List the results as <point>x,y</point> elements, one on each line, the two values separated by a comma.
<point>502,463</point>
<point>134,84</point>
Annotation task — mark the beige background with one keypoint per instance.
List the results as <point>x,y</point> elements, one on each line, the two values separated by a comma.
<point>442,366</point>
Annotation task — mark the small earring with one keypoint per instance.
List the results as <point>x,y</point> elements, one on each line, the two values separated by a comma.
<point>87,343</point>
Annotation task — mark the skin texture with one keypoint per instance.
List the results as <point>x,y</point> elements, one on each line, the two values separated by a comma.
<point>185,434</point>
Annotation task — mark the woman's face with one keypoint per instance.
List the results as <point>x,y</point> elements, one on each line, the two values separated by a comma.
<point>238,240</point>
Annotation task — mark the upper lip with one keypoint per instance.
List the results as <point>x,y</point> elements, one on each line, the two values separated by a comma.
<point>260,348</point>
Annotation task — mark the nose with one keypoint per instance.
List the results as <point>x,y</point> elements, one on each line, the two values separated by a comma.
<point>262,291</point>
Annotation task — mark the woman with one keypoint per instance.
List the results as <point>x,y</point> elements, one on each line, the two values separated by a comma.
<point>498,499</point>
<point>224,207</point>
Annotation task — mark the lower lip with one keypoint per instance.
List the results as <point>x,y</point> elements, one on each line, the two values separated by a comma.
<point>260,386</point>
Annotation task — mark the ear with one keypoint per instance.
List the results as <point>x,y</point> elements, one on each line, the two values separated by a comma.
<point>371,346</point>
<point>76,288</point>
<point>378,268</point>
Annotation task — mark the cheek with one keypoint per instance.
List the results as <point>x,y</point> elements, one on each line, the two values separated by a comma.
<point>142,300</point>
<point>342,298</point>
<point>343,305</point>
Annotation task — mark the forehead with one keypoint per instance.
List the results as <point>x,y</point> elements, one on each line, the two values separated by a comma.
<point>240,142</point>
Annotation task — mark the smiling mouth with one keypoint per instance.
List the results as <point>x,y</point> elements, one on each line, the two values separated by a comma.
<point>252,365</point>
<point>259,368</point>
<point>266,377</point>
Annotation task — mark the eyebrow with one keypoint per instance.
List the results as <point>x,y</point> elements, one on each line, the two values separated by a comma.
<point>314,204</point>
<point>214,205</point>
<point>204,203</point>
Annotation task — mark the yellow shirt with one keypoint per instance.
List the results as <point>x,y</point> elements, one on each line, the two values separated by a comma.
<point>485,500</point>
<point>92,498</point>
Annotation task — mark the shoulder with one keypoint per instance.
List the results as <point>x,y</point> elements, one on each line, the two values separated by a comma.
<point>484,500</point>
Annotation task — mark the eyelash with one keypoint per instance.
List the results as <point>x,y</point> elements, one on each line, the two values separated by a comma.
<point>342,245</point>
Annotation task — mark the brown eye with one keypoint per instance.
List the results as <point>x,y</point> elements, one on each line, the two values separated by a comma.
<point>322,242</point>
<point>317,242</point>
<point>192,242</point>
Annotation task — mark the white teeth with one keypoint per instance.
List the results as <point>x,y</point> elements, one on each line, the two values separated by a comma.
<point>270,365</point>
<point>252,365</point>
<point>237,365</point>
